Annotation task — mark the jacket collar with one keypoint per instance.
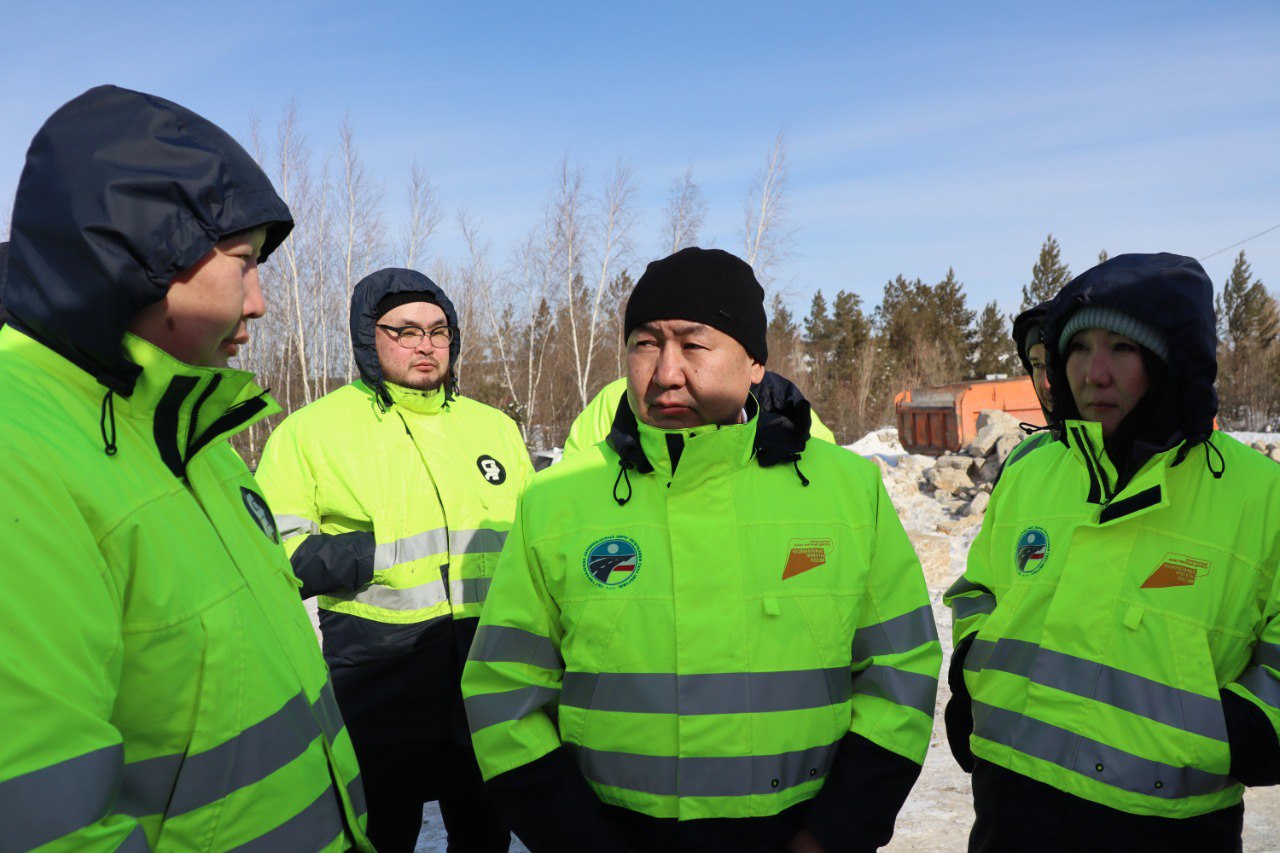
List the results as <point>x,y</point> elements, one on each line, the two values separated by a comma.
<point>1145,490</point>
<point>190,407</point>
<point>418,402</point>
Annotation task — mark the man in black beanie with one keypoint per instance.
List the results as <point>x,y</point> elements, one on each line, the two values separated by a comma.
<point>692,644</point>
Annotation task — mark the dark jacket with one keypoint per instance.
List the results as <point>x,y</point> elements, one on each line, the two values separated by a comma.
<point>78,271</point>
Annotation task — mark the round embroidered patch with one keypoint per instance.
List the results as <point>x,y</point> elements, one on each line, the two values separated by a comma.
<point>612,562</point>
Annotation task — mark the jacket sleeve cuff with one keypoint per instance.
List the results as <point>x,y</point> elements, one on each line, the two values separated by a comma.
<point>550,807</point>
<point>1255,750</point>
<point>327,563</point>
<point>858,806</point>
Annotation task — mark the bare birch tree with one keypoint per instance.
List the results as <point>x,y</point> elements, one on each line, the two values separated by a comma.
<point>423,219</point>
<point>613,221</point>
<point>515,311</point>
<point>362,226</point>
<point>685,211</point>
<point>766,236</point>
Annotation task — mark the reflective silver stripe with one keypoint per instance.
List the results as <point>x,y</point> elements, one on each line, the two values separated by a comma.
<point>46,804</point>
<point>295,525</point>
<point>475,590</point>
<point>481,541</point>
<point>502,644</point>
<point>325,709</point>
<point>418,597</point>
<point>694,776</point>
<point>249,757</point>
<point>147,785</point>
<point>1180,709</point>
<point>894,636</point>
<point>909,689</point>
<point>355,793</point>
<point>710,693</point>
<point>1085,756</point>
<point>313,828</point>
<point>489,709</point>
<point>410,548</point>
<point>1263,685</point>
<point>1268,654</point>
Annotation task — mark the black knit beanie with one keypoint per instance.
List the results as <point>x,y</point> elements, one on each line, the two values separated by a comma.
<point>707,286</point>
<point>395,300</point>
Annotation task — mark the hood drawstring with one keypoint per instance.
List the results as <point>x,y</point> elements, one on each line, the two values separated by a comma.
<point>1031,429</point>
<point>1208,461</point>
<point>108,416</point>
<point>804,481</point>
<point>623,466</point>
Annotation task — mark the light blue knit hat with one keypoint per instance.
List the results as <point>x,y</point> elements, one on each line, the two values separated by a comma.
<point>1114,320</point>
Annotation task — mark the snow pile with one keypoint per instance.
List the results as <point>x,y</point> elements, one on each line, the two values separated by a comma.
<point>941,501</point>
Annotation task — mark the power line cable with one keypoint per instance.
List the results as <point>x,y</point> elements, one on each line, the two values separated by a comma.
<point>1241,243</point>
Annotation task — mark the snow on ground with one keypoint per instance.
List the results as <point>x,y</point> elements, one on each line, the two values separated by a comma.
<point>938,814</point>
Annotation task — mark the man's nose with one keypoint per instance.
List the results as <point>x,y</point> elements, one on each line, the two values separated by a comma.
<point>670,370</point>
<point>254,304</point>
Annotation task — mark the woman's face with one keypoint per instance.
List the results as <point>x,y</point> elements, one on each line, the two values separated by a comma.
<point>1106,375</point>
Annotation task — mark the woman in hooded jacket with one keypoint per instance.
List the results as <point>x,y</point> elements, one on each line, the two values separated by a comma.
<point>1116,634</point>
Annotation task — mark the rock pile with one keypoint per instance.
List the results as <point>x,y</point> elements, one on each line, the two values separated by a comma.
<point>962,482</point>
<point>1269,449</point>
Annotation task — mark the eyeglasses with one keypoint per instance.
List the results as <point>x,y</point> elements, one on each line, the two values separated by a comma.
<point>410,337</point>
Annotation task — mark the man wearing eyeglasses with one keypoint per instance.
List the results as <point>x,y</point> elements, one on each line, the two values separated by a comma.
<point>394,495</point>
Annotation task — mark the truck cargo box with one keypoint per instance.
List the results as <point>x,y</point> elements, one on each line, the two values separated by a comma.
<point>937,420</point>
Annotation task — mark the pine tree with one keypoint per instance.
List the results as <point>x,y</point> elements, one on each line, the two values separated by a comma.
<point>850,332</point>
<point>1048,276</point>
<point>1248,353</point>
<point>783,336</point>
<point>819,339</point>
<point>1247,314</point>
<point>993,350</point>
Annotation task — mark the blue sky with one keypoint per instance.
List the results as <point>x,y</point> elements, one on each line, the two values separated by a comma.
<point>920,135</point>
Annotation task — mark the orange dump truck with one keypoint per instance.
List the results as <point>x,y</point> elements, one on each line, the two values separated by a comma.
<point>937,420</point>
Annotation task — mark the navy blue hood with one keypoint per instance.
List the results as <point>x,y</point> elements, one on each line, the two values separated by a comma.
<point>1022,325</point>
<point>4,262</point>
<point>1174,294</point>
<point>369,291</point>
<point>121,192</point>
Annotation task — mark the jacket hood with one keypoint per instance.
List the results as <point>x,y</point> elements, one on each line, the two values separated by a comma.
<point>1022,326</point>
<point>1174,294</point>
<point>4,262</point>
<point>369,291</point>
<point>121,192</point>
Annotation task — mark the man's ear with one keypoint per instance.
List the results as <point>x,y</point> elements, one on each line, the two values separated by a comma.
<point>757,372</point>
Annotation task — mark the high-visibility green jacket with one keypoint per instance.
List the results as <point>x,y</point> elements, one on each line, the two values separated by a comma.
<point>1106,624</point>
<point>592,425</point>
<point>431,487</point>
<point>159,679</point>
<point>703,640</point>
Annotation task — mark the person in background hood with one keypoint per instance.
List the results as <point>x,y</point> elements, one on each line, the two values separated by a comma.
<point>691,644</point>
<point>394,495</point>
<point>1028,330</point>
<point>1117,629</point>
<point>161,678</point>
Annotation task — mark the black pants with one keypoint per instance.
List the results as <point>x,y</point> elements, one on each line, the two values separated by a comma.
<point>1015,813</point>
<point>399,779</point>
